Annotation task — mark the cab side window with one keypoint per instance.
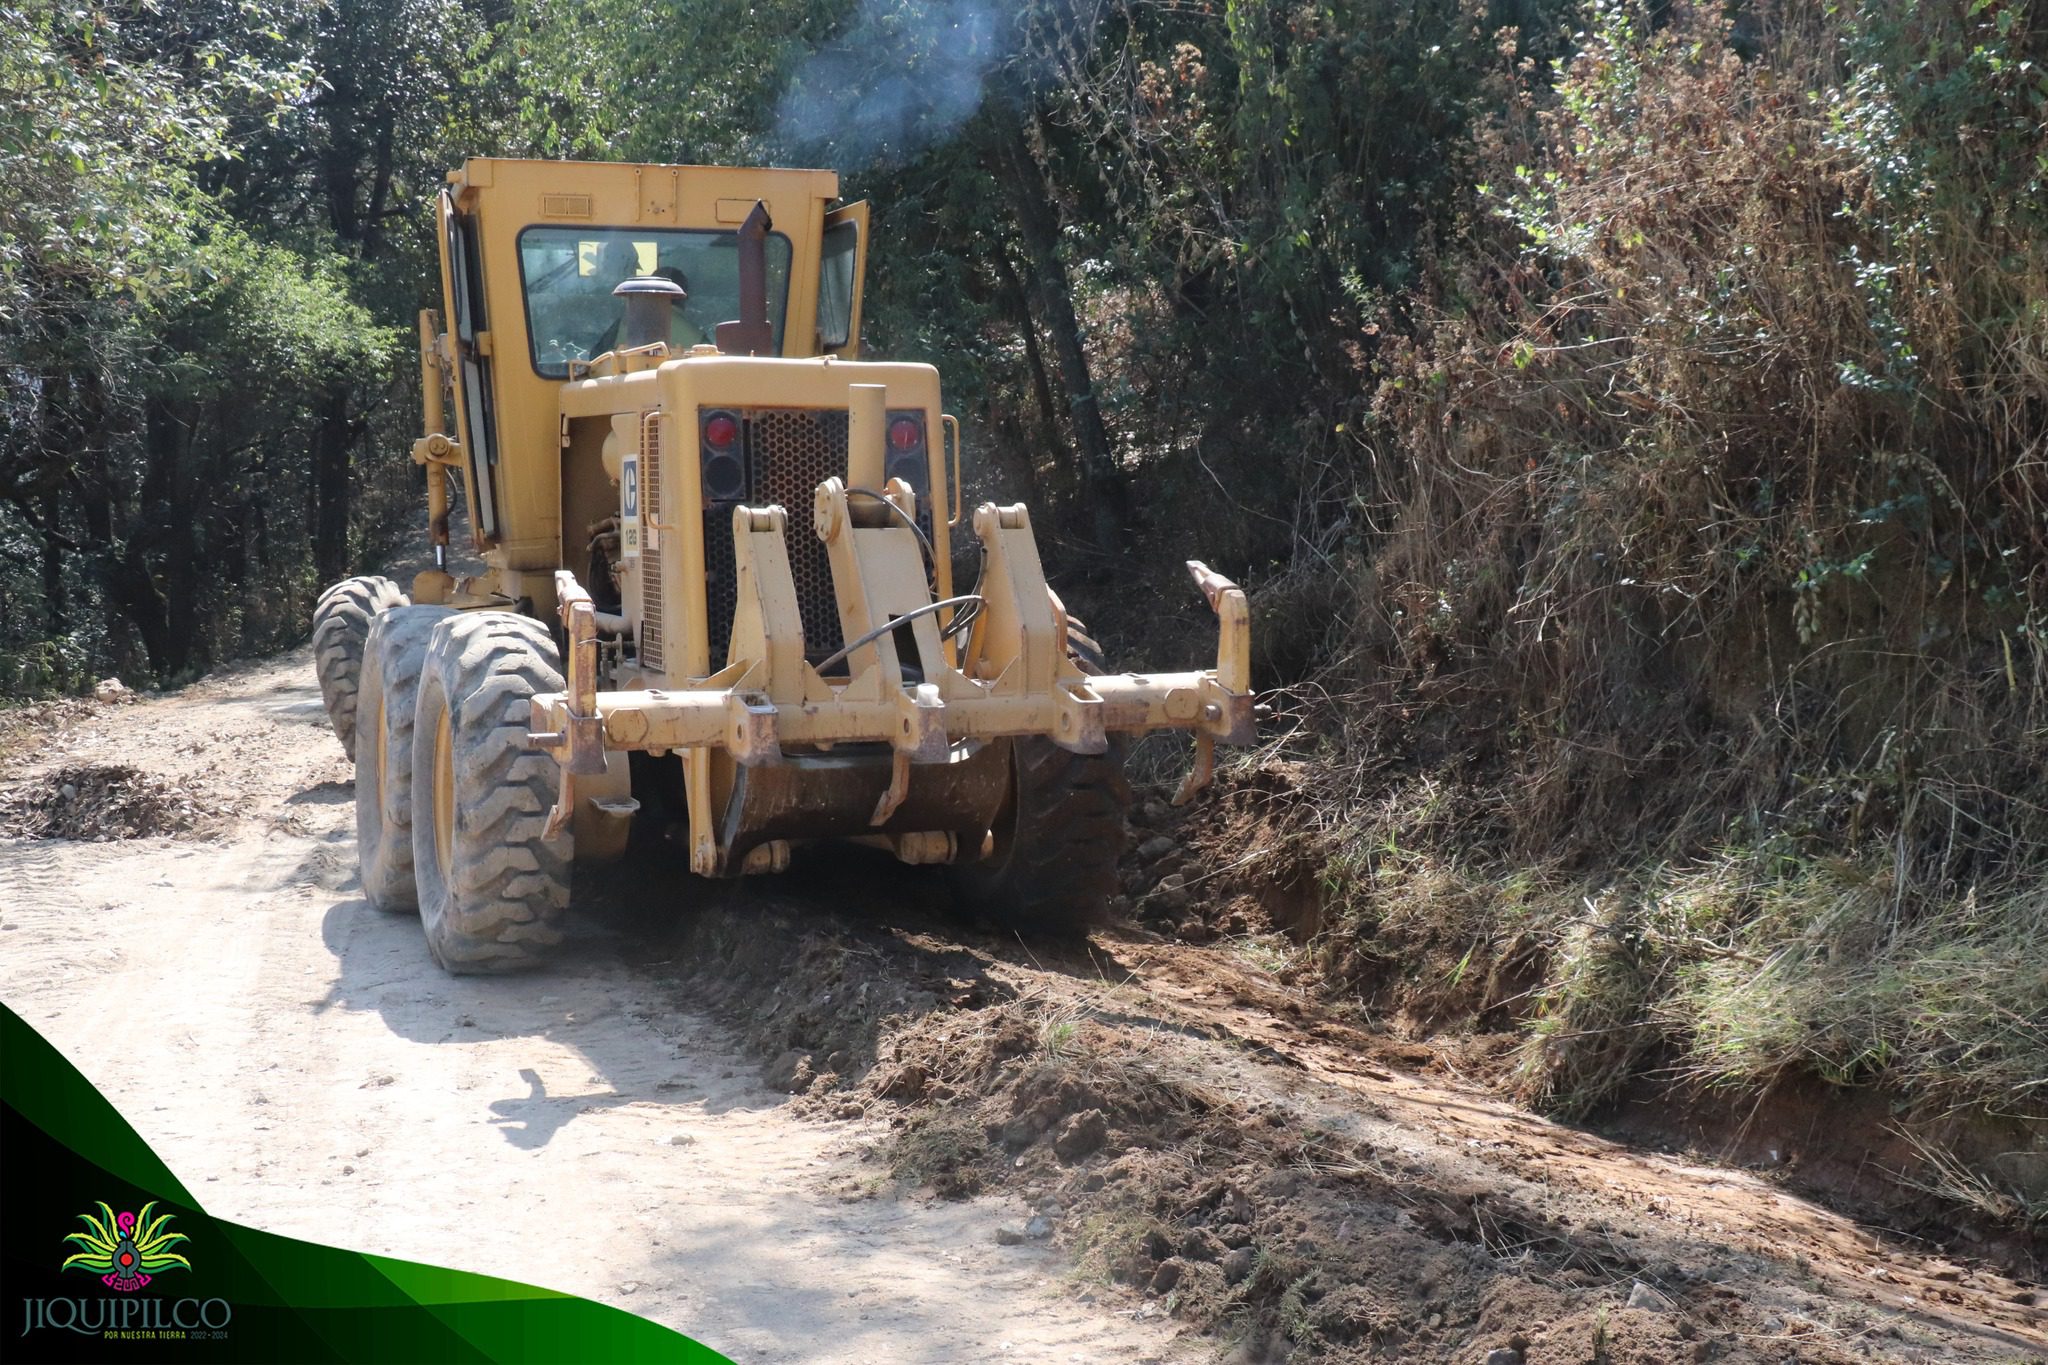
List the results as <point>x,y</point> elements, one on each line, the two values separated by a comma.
<point>841,257</point>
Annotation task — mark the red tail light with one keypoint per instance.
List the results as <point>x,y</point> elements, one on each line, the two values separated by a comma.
<point>720,430</point>
<point>906,433</point>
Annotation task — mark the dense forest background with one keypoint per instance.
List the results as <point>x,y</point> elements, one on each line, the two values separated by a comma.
<point>1631,419</point>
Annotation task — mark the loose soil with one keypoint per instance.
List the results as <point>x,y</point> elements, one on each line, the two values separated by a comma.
<point>821,1118</point>
<point>100,801</point>
<point>1433,991</point>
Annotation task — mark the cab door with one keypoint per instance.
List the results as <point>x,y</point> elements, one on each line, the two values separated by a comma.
<point>462,292</point>
<point>841,277</point>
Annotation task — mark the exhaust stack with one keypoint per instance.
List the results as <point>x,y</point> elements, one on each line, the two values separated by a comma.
<point>751,334</point>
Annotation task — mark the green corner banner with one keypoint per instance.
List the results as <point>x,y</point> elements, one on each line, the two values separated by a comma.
<point>106,1256</point>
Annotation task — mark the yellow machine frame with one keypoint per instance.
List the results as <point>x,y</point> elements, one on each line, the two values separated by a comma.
<point>634,411</point>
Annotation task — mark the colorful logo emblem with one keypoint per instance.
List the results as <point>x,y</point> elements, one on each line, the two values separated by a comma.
<point>127,1250</point>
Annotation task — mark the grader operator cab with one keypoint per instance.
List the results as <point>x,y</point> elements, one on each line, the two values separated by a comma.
<point>718,590</point>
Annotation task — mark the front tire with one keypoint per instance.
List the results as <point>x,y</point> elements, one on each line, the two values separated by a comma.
<point>1053,867</point>
<point>393,658</point>
<point>491,889</point>
<point>341,628</point>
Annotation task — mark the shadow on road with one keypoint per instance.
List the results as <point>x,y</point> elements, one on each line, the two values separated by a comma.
<point>660,967</point>
<point>630,1037</point>
<point>533,1118</point>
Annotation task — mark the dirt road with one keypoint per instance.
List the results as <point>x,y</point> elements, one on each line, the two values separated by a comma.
<point>296,1057</point>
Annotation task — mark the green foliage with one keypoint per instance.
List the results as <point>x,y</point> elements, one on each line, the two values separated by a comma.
<point>195,285</point>
<point>108,110</point>
<point>256,319</point>
<point>625,81</point>
<point>1716,562</point>
<point>1254,190</point>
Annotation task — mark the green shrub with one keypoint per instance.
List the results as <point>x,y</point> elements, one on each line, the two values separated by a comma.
<point>1716,570</point>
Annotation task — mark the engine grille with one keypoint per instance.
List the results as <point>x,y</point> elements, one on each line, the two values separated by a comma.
<point>651,558</point>
<point>721,588</point>
<point>789,452</point>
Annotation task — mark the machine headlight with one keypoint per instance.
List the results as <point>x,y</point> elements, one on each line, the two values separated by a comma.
<point>724,457</point>
<point>906,456</point>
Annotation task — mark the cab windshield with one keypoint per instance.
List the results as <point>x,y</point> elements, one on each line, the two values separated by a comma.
<point>569,274</point>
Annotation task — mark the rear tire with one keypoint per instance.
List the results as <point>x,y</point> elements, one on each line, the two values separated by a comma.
<point>1053,868</point>
<point>491,889</point>
<point>341,627</point>
<point>393,658</point>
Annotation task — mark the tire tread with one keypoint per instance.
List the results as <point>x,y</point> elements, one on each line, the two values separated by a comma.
<point>394,657</point>
<point>341,629</point>
<point>1059,872</point>
<point>498,907</point>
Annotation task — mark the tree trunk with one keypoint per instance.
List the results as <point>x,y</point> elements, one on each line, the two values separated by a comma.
<point>1039,226</point>
<point>354,170</point>
<point>164,547</point>
<point>56,601</point>
<point>1034,360</point>
<point>123,574</point>
<point>333,450</point>
<point>118,560</point>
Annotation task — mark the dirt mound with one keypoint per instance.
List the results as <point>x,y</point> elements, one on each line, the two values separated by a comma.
<point>1244,860</point>
<point>1194,1179</point>
<point>1249,1219</point>
<point>100,801</point>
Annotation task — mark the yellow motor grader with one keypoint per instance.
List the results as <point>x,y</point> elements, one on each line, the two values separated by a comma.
<point>718,589</point>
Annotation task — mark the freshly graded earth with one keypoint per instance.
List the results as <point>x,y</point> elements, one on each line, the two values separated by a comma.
<point>1132,1150</point>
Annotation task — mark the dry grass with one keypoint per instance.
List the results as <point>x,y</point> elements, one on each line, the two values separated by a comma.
<point>1732,970</point>
<point>1947,1176</point>
<point>1694,705</point>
